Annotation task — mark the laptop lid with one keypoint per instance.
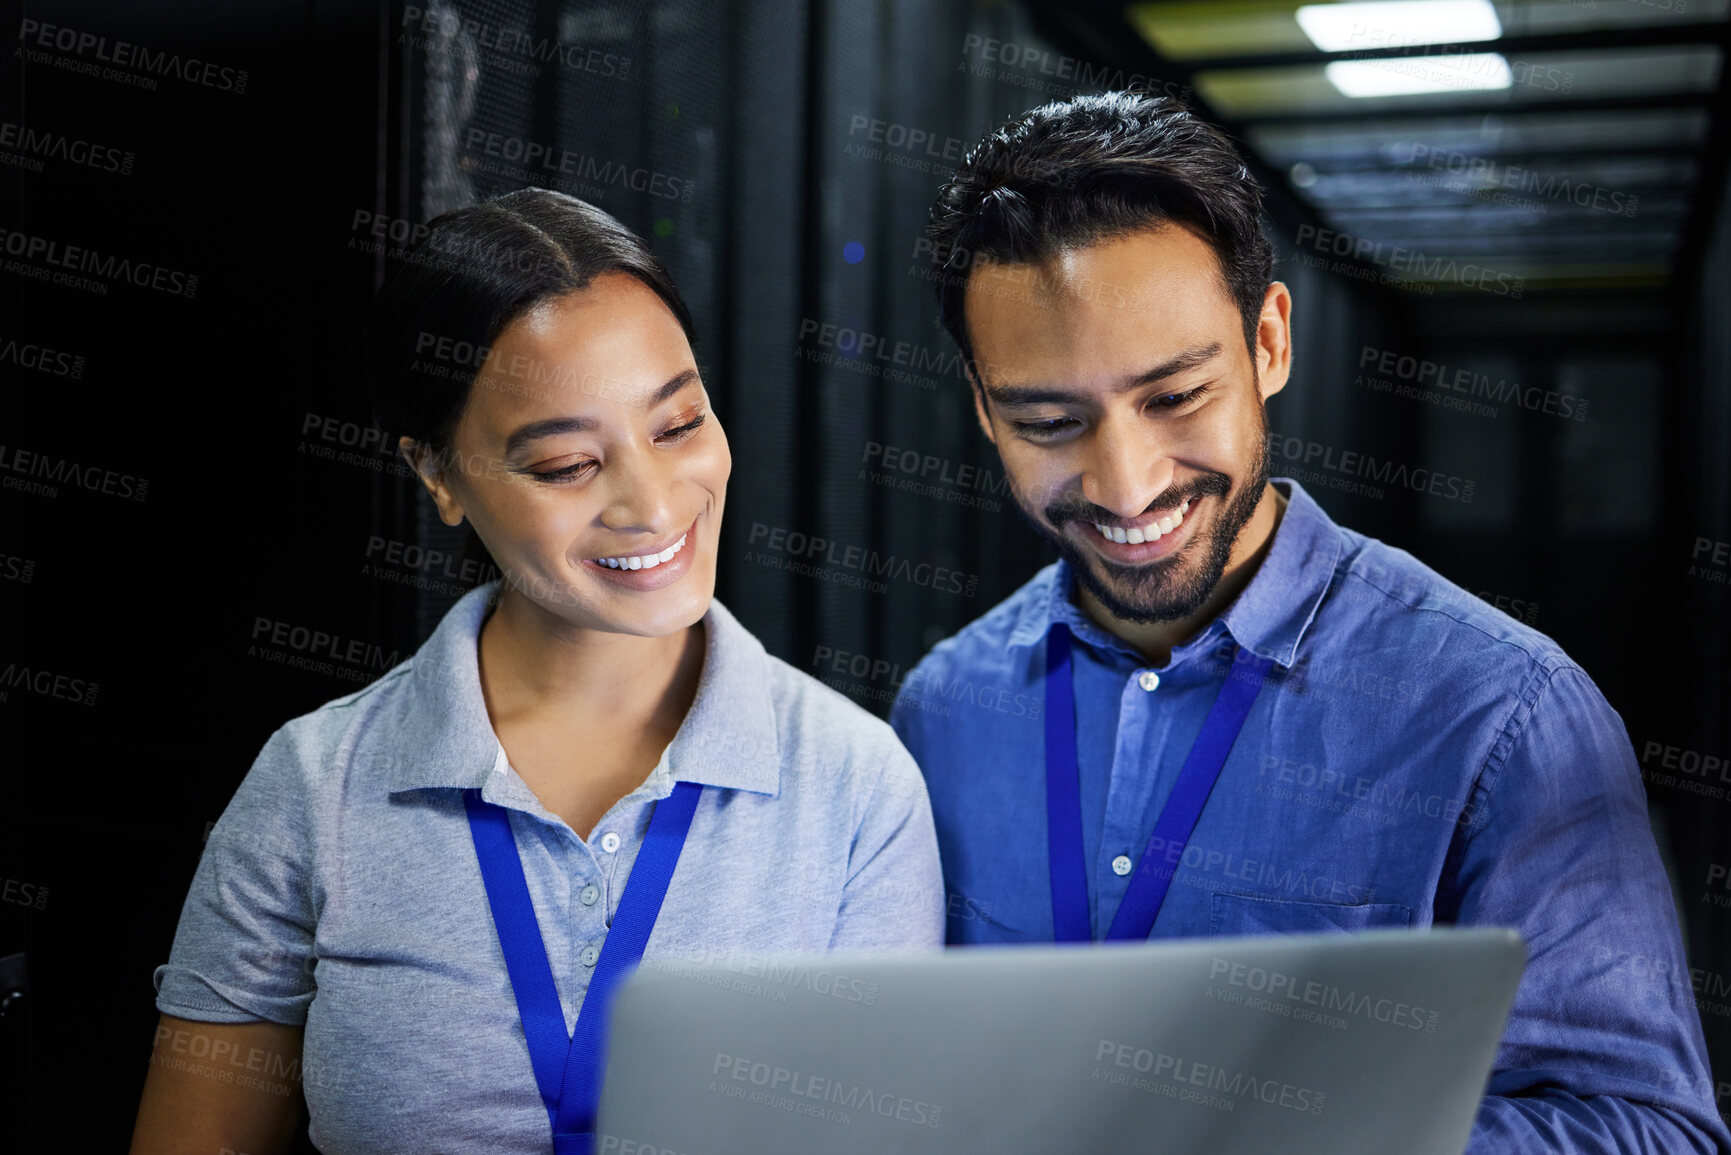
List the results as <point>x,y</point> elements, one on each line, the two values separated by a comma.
<point>1305,1045</point>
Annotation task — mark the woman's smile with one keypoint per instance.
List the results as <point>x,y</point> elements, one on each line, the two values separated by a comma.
<point>651,567</point>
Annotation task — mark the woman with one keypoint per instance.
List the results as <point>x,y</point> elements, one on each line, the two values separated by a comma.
<point>347,917</point>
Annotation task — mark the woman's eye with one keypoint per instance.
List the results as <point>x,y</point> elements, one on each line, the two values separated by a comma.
<point>679,433</point>
<point>555,476</point>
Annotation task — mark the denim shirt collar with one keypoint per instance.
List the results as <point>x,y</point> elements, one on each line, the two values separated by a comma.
<point>728,738</point>
<point>1268,618</point>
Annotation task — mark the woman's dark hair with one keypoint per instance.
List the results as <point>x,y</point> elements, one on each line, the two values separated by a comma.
<point>1088,169</point>
<point>473,272</point>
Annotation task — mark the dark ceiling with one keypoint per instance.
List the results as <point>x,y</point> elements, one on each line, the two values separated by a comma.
<point>1571,145</point>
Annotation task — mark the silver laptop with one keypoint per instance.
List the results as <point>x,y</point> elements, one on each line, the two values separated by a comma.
<point>1312,1045</point>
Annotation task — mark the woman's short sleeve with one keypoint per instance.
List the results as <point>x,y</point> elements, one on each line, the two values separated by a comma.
<point>243,950</point>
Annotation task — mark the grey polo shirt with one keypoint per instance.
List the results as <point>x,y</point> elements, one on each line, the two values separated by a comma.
<point>340,888</point>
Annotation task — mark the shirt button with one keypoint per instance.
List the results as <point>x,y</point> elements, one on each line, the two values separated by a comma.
<point>610,842</point>
<point>590,894</point>
<point>1121,864</point>
<point>1149,681</point>
<point>590,954</point>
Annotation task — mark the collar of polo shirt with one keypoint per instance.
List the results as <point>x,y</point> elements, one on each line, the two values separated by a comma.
<point>728,739</point>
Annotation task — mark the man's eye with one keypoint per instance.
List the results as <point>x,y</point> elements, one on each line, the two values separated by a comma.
<point>1178,400</point>
<point>1046,428</point>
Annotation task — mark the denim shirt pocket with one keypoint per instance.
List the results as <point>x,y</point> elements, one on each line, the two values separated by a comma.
<point>1235,915</point>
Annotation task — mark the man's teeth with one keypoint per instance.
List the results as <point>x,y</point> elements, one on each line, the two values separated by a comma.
<point>1153,531</point>
<point>644,560</point>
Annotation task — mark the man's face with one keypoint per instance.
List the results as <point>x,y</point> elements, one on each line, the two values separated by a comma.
<point>1125,406</point>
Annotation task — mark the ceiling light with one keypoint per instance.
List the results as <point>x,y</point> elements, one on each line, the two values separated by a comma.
<point>1408,75</point>
<point>1398,23</point>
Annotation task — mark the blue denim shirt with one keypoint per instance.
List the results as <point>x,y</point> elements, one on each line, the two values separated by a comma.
<point>1416,757</point>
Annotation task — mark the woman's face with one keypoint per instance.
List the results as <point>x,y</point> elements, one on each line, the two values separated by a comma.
<point>588,461</point>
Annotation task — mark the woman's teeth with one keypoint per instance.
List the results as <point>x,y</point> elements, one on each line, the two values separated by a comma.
<point>644,560</point>
<point>1153,531</point>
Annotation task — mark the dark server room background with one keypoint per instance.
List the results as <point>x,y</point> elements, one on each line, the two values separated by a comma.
<point>782,155</point>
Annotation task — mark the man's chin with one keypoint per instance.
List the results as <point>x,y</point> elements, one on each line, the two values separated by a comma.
<point>1157,591</point>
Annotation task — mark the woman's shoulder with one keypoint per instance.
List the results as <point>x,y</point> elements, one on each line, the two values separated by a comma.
<point>809,715</point>
<point>343,733</point>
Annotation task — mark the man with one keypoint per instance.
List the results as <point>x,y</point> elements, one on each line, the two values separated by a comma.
<point>1401,754</point>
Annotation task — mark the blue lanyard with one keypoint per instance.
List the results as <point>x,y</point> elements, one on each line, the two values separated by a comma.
<point>568,1067</point>
<point>1147,891</point>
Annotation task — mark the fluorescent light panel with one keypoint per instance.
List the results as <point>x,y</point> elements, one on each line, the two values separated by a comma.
<point>1411,75</point>
<point>1398,23</point>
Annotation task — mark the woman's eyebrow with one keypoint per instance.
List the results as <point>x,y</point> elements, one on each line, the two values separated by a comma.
<point>551,426</point>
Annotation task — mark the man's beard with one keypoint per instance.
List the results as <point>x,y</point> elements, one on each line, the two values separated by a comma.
<point>1175,586</point>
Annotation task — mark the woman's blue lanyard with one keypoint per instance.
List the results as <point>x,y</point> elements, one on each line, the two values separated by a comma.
<point>568,1067</point>
<point>1141,903</point>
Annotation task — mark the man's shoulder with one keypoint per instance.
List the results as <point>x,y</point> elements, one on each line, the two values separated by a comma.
<point>1386,595</point>
<point>988,638</point>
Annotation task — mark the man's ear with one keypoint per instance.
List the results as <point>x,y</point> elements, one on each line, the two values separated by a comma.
<point>427,466</point>
<point>979,402</point>
<point>1274,341</point>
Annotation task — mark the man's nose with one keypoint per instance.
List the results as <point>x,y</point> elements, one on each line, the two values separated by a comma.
<point>1126,469</point>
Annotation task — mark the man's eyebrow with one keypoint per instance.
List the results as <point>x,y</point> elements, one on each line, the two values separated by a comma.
<point>553,426</point>
<point>1010,395</point>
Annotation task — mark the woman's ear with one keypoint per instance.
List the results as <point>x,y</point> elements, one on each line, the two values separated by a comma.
<point>428,466</point>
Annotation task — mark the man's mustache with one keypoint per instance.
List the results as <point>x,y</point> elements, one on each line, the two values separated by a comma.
<point>1074,507</point>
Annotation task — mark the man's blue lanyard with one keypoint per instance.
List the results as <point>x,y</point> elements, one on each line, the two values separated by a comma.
<point>1141,903</point>
<point>568,1067</point>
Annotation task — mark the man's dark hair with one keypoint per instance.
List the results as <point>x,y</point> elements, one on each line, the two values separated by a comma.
<point>1089,169</point>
